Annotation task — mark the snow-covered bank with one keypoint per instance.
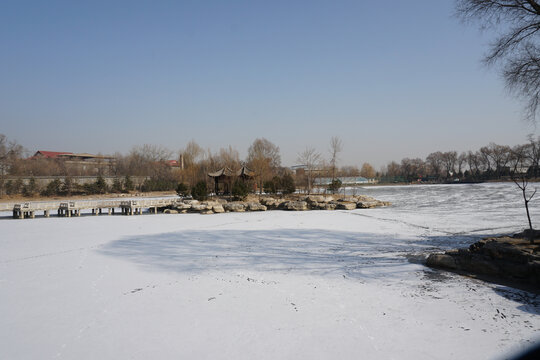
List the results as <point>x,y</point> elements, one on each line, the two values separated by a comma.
<point>319,284</point>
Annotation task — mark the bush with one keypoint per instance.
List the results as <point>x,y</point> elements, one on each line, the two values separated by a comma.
<point>128,184</point>
<point>182,189</point>
<point>53,188</point>
<point>100,185</point>
<point>334,186</point>
<point>116,186</point>
<point>287,184</point>
<point>199,191</point>
<point>67,186</point>
<point>31,188</point>
<point>158,184</point>
<point>239,190</point>
<point>269,187</point>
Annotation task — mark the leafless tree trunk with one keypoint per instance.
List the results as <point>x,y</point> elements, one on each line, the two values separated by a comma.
<point>522,182</point>
<point>336,146</point>
<point>310,158</point>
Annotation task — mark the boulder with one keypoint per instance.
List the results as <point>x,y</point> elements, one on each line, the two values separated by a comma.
<point>199,207</point>
<point>218,209</point>
<point>183,206</point>
<point>170,211</point>
<point>254,206</point>
<point>366,204</point>
<point>296,205</point>
<point>329,206</point>
<point>271,203</point>
<point>346,206</point>
<point>234,207</point>
<point>441,261</point>
<point>315,199</point>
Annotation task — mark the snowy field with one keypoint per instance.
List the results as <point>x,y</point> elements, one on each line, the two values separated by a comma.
<point>269,285</point>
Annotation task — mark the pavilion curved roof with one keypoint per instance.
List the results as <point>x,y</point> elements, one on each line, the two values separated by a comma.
<point>227,172</point>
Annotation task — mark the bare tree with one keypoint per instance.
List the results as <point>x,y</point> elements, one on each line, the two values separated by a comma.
<point>434,161</point>
<point>461,161</point>
<point>516,49</point>
<point>10,151</point>
<point>521,180</point>
<point>449,160</point>
<point>336,146</point>
<point>190,158</point>
<point>310,158</point>
<point>263,158</point>
<point>367,171</point>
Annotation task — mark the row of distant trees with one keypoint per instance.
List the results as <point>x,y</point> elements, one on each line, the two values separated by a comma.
<point>149,161</point>
<point>490,162</point>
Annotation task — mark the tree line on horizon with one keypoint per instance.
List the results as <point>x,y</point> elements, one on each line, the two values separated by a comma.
<point>152,163</point>
<point>490,162</point>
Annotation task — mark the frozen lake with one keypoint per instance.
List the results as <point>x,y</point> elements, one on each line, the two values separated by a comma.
<point>265,285</point>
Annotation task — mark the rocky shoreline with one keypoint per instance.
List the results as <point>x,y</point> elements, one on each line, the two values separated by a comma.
<point>508,260</point>
<point>297,203</point>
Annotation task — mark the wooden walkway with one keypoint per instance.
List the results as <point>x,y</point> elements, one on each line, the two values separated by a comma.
<point>73,208</point>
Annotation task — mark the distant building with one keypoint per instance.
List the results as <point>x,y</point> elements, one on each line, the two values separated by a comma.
<point>78,164</point>
<point>345,181</point>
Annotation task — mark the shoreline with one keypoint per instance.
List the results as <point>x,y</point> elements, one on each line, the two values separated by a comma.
<point>505,260</point>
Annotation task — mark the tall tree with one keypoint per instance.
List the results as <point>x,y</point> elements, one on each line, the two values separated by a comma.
<point>367,171</point>
<point>10,151</point>
<point>311,159</point>
<point>336,146</point>
<point>517,47</point>
<point>263,158</point>
<point>189,161</point>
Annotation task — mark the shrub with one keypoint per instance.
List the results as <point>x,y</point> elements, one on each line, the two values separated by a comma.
<point>128,184</point>
<point>67,186</point>
<point>182,189</point>
<point>199,191</point>
<point>53,188</point>
<point>100,185</point>
<point>287,184</point>
<point>335,185</point>
<point>31,188</point>
<point>158,184</point>
<point>116,186</point>
<point>239,190</point>
<point>270,187</point>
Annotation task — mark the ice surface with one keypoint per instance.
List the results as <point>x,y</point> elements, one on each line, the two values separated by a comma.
<point>270,285</point>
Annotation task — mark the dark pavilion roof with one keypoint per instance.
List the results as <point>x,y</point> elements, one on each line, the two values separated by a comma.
<point>227,172</point>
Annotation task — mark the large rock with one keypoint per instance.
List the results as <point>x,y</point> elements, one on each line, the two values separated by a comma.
<point>234,207</point>
<point>254,206</point>
<point>199,207</point>
<point>315,199</point>
<point>441,261</point>
<point>183,206</point>
<point>500,258</point>
<point>271,203</point>
<point>170,211</point>
<point>296,205</point>
<point>346,206</point>
<point>218,209</point>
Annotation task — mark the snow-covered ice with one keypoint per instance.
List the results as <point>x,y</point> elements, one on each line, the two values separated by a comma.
<point>268,285</point>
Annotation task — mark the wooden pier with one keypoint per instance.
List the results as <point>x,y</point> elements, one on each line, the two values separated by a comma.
<point>98,207</point>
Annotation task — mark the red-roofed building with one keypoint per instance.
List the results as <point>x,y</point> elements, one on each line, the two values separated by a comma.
<point>49,154</point>
<point>173,163</point>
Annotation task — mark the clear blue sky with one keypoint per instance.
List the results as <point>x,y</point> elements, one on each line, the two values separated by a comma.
<point>393,79</point>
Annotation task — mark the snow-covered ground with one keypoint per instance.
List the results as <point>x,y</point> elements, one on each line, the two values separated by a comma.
<point>269,285</point>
